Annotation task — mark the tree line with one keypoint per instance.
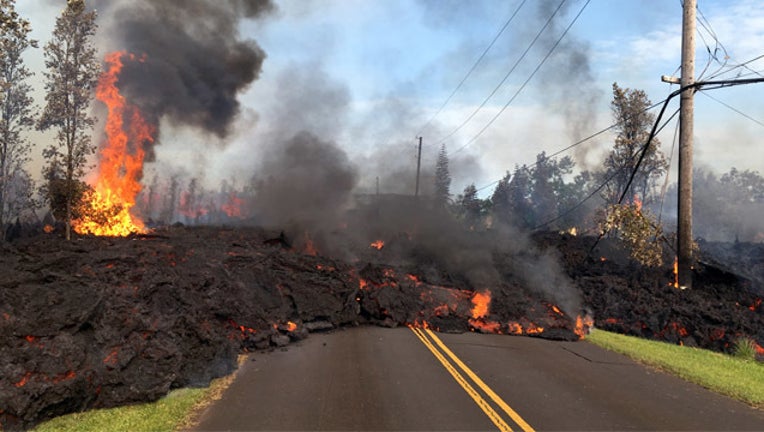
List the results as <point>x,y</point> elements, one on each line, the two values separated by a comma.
<point>550,194</point>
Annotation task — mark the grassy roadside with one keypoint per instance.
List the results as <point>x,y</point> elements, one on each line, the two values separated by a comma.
<point>734,377</point>
<point>174,412</point>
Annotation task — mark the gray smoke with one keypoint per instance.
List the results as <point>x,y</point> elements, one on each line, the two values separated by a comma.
<point>568,77</point>
<point>304,181</point>
<point>196,62</point>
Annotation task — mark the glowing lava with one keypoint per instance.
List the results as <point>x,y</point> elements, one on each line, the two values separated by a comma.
<point>378,245</point>
<point>480,302</point>
<point>232,207</point>
<point>583,325</point>
<point>120,165</point>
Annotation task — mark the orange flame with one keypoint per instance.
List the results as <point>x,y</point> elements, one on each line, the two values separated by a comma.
<point>485,326</point>
<point>583,325</point>
<point>480,302</point>
<point>759,349</point>
<point>309,248</point>
<point>120,165</point>
<point>24,380</point>
<point>422,325</point>
<point>637,203</point>
<point>232,207</point>
<point>534,329</point>
<point>363,284</point>
<point>676,272</point>
<point>515,328</point>
<point>755,305</point>
<point>378,245</point>
<point>48,229</point>
<point>290,326</point>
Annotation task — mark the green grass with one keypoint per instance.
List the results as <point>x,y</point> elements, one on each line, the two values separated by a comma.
<point>744,348</point>
<point>176,411</point>
<point>741,379</point>
<point>166,414</point>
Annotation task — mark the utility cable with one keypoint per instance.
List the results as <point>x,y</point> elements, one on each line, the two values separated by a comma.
<point>668,172</point>
<point>581,141</point>
<point>732,108</point>
<point>641,151</point>
<point>501,83</point>
<point>472,69</point>
<point>546,57</point>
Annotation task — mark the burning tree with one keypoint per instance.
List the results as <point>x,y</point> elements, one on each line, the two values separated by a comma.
<point>15,114</point>
<point>72,72</point>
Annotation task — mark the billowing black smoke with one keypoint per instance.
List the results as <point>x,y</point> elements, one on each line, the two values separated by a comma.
<point>195,61</point>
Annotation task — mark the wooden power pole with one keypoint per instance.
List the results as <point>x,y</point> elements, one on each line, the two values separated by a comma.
<point>686,105</point>
<point>418,166</point>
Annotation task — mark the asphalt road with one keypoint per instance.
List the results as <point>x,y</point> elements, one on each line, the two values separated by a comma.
<point>373,378</point>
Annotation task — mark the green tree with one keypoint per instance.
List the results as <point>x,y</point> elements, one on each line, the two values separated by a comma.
<point>745,186</point>
<point>575,206</point>
<point>520,204</point>
<point>500,200</point>
<point>634,124</point>
<point>470,207</point>
<point>548,186</point>
<point>72,74</point>
<point>511,200</point>
<point>442,179</point>
<point>16,112</point>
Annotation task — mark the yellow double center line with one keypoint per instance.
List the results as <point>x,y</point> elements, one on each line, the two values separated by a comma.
<point>423,335</point>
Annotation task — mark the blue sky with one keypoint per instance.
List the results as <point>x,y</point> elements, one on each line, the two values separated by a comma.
<point>368,74</point>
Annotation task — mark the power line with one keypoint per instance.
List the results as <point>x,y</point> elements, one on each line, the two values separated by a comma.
<point>581,141</point>
<point>642,151</point>
<point>668,172</point>
<point>501,83</point>
<point>646,147</point>
<point>546,57</point>
<point>472,69</point>
<point>706,25</point>
<point>732,108</point>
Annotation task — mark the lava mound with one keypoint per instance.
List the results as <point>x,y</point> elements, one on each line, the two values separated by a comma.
<point>99,322</point>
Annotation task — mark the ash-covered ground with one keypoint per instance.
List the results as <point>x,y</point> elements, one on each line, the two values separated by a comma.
<point>99,322</point>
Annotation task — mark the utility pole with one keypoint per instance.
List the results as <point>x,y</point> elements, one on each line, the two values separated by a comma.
<point>686,105</point>
<point>418,165</point>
